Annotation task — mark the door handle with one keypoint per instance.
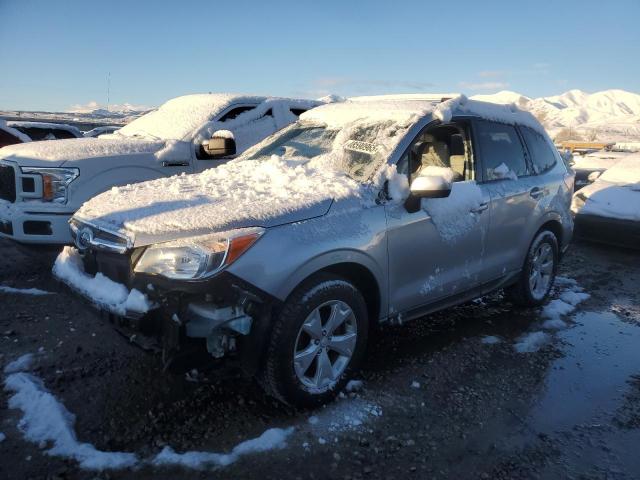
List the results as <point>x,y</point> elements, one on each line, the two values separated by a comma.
<point>536,193</point>
<point>480,208</point>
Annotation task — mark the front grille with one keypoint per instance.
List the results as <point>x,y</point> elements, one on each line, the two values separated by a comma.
<point>7,183</point>
<point>114,266</point>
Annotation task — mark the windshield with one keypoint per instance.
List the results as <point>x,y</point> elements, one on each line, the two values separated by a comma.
<point>175,120</point>
<point>357,150</point>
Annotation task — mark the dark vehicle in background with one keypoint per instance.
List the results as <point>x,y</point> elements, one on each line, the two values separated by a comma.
<point>95,132</point>
<point>46,131</point>
<point>11,136</point>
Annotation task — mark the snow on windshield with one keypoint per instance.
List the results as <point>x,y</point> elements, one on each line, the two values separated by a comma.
<point>181,116</point>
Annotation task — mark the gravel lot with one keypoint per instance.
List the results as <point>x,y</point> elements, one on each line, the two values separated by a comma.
<point>437,400</point>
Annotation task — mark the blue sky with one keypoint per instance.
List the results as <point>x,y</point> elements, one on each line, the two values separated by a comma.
<point>57,54</point>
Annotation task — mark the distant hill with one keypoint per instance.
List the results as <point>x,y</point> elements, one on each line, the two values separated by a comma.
<point>609,115</point>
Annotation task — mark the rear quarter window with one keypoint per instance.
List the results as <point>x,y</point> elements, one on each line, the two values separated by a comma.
<point>543,157</point>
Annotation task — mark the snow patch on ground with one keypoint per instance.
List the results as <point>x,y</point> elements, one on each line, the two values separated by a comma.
<point>21,364</point>
<point>344,415</point>
<point>571,294</point>
<point>24,291</point>
<point>531,342</point>
<point>2,437</point>
<point>354,386</point>
<point>100,289</point>
<point>45,420</point>
<point>490,340</point>
<point>272,439</point>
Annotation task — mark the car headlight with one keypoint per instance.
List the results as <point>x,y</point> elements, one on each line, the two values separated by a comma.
<point>197,257</point>
<point>54,182</point>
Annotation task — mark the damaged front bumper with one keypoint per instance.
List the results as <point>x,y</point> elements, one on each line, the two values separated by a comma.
<point>220,313</point>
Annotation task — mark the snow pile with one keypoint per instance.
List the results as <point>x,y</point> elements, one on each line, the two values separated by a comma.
<point>23,291</point>
<point>45,125</point>
<point>345,414</point>
<point>2,437</point>
<point>615,194</point>
<point>100,289</point>
<point>598,160</point>
<point>433,171</point>
<point>451,215</point>
<point>531,342</point>
<point>272,439</point>
<point>47,420</point>
<point>20,364</point>
<point>502,171</point>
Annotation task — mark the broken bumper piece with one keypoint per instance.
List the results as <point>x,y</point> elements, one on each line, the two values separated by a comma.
<point>100,290</point>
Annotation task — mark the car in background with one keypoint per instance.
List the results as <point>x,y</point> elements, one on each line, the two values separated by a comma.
<point>43,183</point>
<point>590,166</point>
<point>376,209</point>
<point>608,210</point>
<point>11,136</point>
<point>94,132</point>
<point>37,131</point>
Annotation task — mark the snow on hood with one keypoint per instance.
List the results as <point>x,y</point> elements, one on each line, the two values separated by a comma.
<point>238,194</point>
<point>56,153</point>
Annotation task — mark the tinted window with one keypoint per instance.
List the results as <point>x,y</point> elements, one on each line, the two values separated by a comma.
<point>297,111</point>
<point>234,112</point>
<point>500,144</point>
<point>542,155</point>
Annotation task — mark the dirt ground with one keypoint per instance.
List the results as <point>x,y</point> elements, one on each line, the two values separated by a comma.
<point>436,400</point>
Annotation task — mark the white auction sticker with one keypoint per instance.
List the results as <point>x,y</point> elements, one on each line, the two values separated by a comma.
<point>363,147</point>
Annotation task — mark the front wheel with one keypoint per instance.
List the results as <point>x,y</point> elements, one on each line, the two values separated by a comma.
<point>538,272</point>
<point>317,343</point>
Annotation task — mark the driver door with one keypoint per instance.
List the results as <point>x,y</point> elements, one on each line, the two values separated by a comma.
<point>437,251</point>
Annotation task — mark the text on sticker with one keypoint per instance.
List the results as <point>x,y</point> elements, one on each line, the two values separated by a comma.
<point>358,146</point>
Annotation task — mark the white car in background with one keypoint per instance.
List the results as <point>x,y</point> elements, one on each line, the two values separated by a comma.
<point>42,184</point>
<point>590,166</point>
<point>608,210</point>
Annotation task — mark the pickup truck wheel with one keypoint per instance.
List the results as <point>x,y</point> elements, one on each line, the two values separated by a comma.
<point>538,272</point>
<point>317,342</point>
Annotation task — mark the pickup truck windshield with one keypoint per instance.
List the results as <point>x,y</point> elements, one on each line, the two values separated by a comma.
<point>357,151</point>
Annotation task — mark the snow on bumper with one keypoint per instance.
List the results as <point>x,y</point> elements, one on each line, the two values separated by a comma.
<point>102,291</point>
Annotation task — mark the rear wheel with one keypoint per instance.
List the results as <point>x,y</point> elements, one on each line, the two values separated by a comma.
<point>317,343</point>
<point>538,272</point>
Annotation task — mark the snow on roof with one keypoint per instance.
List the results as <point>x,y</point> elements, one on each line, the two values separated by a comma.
<point>181,117</point>
<point>16,133</point>
<point>57,126</point>
<point>408,108</point>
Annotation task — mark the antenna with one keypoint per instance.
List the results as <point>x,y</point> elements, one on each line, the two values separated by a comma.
<point>108,90</point>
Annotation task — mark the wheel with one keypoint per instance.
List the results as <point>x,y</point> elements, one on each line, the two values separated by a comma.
<point>538,272</point>
<point>317,342</point>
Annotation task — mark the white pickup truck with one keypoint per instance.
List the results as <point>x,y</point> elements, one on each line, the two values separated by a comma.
<point>43,183</point>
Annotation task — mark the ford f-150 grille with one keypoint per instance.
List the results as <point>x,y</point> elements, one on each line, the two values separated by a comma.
<point>7,183</point>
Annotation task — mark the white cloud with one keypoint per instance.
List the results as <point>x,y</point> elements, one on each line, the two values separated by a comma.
<point>483,85</point>
<point>491,73</point>
<point>114,107</point>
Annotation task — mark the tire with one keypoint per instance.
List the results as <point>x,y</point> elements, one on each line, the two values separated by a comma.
<point>524,291</point>
<point>302,340</point>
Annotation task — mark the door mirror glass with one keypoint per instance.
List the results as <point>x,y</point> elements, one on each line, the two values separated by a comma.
<point>429,186</point>
<point>218,146</point>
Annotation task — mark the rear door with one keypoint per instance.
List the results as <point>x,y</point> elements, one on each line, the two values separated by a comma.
<point>505,176</point>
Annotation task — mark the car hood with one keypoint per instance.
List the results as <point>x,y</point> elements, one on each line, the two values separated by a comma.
<point>71,152</point>
<point>242,193</point>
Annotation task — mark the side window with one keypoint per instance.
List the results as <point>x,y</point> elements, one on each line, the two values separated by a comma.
<point>501,149</point>
<point>234,112</point>
<point>543,157</point>
<point>438,148</point>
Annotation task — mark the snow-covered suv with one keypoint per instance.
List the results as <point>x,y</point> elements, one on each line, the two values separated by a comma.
<point>365,211</point>
<point>43,183</point>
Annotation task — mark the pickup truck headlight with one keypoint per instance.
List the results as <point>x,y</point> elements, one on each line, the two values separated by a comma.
<point>197,257</point>
<point>54,182</point>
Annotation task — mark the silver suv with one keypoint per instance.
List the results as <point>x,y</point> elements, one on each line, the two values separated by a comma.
<point>373,210</point>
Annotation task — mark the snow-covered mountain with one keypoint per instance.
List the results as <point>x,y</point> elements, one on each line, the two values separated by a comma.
<point>608,115</point>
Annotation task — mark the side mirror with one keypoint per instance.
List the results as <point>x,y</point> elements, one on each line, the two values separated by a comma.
<point>426,187</point>
<point>218,147</point>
